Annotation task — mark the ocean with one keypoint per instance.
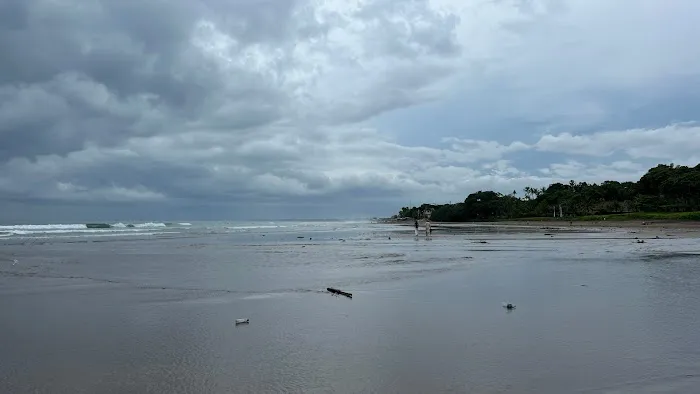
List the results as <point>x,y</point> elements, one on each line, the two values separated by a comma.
<point>151,307</point>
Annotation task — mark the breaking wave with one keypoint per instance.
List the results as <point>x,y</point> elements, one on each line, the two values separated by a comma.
<point>29,229</point>
<point>136,225</point>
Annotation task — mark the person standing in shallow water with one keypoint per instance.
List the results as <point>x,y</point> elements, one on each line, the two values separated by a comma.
<point>415,223</point>
<point>427,228</point>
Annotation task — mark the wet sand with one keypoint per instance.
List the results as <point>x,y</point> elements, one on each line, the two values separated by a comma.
<point>595,313</point>
<point>639,229</point>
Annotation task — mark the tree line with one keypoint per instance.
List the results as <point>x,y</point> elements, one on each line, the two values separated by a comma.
<point>664,188</point>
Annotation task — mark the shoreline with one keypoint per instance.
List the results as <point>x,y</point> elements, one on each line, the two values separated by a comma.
<point>635,228</point>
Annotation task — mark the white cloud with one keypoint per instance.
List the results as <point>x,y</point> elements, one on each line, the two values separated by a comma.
<point>114,193</point>
<point>676,141</point>
<point>475,150</point>
<point>618,171</point>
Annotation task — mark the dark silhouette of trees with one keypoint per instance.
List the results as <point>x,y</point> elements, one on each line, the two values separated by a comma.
<point>664,188</point>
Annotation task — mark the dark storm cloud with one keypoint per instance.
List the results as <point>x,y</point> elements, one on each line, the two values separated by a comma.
<point>90,71</point>
<point>254,103</point>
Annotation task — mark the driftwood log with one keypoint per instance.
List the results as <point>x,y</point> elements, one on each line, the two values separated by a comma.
<point>336,291</point>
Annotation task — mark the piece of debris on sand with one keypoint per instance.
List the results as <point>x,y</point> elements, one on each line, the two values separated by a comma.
<point>340,292</point>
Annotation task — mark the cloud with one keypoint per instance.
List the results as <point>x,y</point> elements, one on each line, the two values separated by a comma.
<point>115,193</point>
<point>572,169</point>
<point>666,143</point>
<point>475,150</point>
<point>354,105</point>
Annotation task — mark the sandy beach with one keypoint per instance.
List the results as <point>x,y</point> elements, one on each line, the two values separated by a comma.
<point>632,228</point>
<point>123,310</point>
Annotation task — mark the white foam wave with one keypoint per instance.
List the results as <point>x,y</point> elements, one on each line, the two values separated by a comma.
<point>29,229</point>
<point>33,227</point>
<point>252,227</point>
<point>85,231</point>
<point>137,225</point>
<point>149,224</point>
<point>185,224</point>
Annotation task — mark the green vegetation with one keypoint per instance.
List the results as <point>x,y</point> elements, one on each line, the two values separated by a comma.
<point>625,216</point>
<point>665,192</point>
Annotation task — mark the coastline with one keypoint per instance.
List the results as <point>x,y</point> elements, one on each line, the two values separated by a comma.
<point>635,228</point>
<point>175,299</point>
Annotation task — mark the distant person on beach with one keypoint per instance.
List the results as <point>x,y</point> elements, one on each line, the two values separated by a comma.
<point>428,231</point>
<point>415,223</point>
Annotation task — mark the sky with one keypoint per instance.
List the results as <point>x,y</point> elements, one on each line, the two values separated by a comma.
<point>270,109</point>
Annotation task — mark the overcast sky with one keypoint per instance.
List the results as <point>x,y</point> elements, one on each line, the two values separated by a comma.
<point>262,109</point>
